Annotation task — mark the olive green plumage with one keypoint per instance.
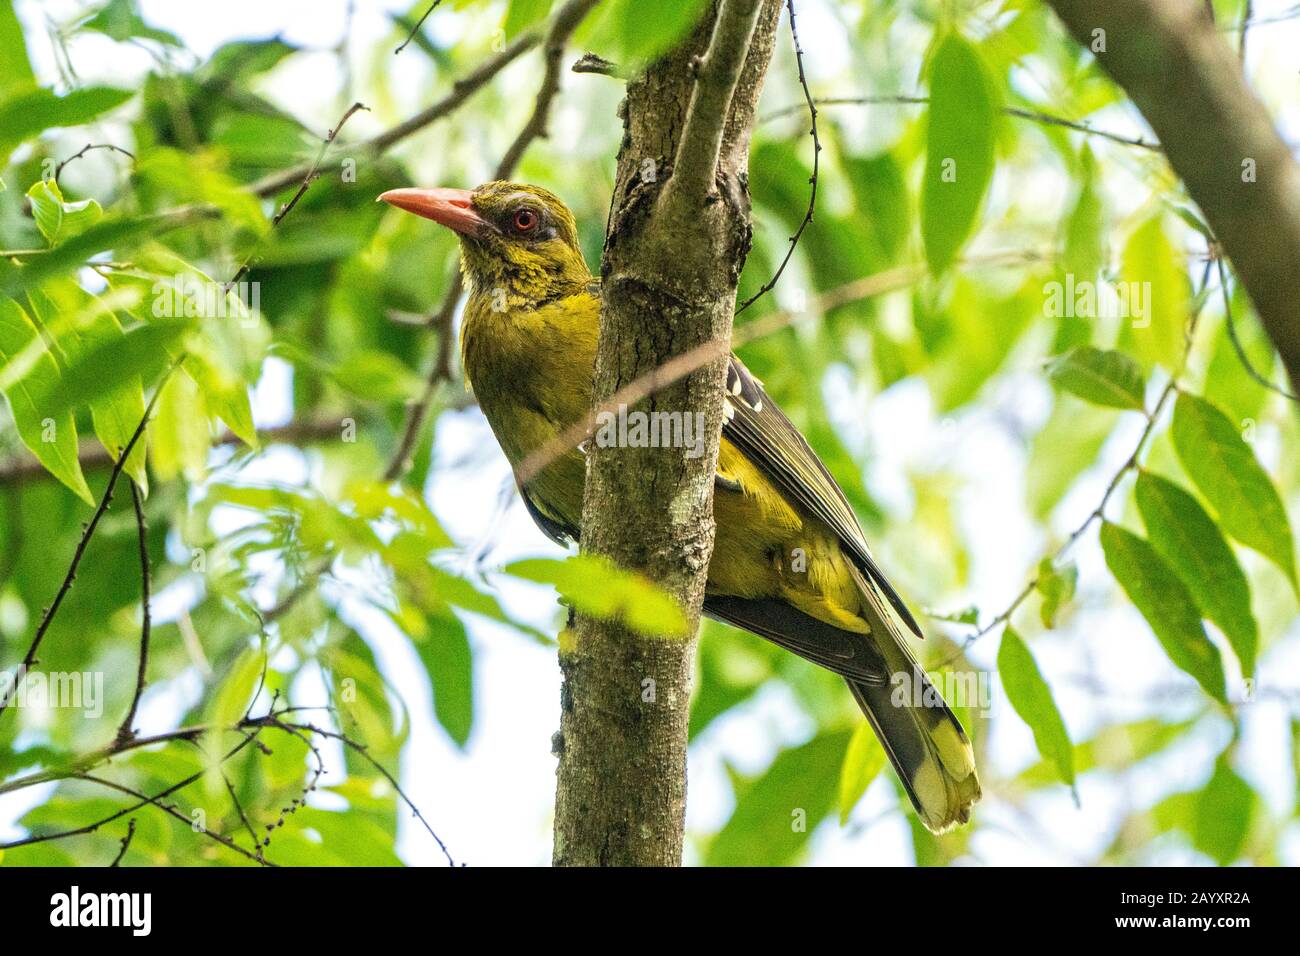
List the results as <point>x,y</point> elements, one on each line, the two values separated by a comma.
<point>528,344</point>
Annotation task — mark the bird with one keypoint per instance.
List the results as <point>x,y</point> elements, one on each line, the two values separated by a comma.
<point>528,344</point>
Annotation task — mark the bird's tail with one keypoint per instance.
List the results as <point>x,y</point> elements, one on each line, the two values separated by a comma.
<point>923,739</point>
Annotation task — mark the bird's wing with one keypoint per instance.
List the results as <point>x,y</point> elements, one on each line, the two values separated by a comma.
<point>558,531</point>
<point>843,652</point>
<point>761,431</point>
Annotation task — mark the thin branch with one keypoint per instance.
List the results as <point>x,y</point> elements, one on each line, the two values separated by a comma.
<point>92,454</point>
<point>461,91</point>
<point>416,29</point>
<point>1236,342</point>
<point>362,751</point>
<point>126,842</point>
<point>812,180</point>
<point>258,848</point>
<point>441,371</point>
<point>86,149</point>
<point>125,811</point>
<point>313,172</point>
<point>127,729</point>
<point>695,165</point>
<point>29,659</point>
<point>97,757</point>
<point>171,811</point>
<point>1035,116</point>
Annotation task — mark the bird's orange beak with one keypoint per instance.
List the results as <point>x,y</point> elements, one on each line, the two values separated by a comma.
<point>452,208</point>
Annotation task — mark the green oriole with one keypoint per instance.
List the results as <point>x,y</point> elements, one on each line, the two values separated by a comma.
<point>528,344</point>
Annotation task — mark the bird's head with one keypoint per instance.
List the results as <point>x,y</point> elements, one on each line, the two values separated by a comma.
<point>514,237</point>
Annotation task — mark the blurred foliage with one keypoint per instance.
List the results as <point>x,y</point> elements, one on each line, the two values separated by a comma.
<point>1060,274</point>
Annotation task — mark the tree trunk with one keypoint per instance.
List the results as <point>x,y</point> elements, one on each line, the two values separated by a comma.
<point>678,234</point>
<point>1178,70</point>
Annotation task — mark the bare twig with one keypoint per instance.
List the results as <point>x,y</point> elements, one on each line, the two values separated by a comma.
<point>313,172</point>
<point>1236,341</point>
<point>1035,116</point>
<point>126,842</point>
<point>258,848</point>
<point>86,149</point>
<point>416,29</point>
<point>127,729</point>
<point>91,454</point>
<point>29,659</point>
<point>461,91</point>
<point>362,751</point>
<point>812,180</point>
<point>441,371</point>
<point>125,811</point>
<point>171,811</point>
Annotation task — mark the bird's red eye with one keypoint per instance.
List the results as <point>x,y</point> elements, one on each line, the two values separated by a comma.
<point>525,220</point>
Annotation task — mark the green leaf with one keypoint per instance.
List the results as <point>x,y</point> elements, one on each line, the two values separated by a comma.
<point>51,438</point>
<point>1084,229</point>
<point>1159,296</point>
<point>1102,377</point>
<point>522,14</point>
<point>962,127</point>
<point>977,347</point>
<point>59,220</point>
<point>1226,472</point>
<point>15,68</point>
<point>1063,449</point>
<point>621,31</point>
<point>111,363</point>
<point>239,61</point>
<point>880,192</point>
<point>1114,747</point>
<point>199,177</point>
<point>1221,815</point>
<point>226,709</point>
<point>225,396</point>
<point>1228,382</point>
<point>29,114</point>
<point>119,20</point>
<point>1031,698</point>
<point>1057,586</point>
<point>179,438</point>
<point>1191,542</point>
<point>447,659</point>
<point>1157,591</point>
<point>594,586</point>
<point>863,761</point>
<point>75,252</point>
<point>378,376</point>
<point>775,814</point>
<point>117,412</point>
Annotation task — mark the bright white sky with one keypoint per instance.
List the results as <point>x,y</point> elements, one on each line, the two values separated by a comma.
<point>492,804</point>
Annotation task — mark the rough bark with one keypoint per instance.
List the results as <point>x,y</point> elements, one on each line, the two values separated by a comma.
<point>678,234</point>
<point>1188,83</point>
